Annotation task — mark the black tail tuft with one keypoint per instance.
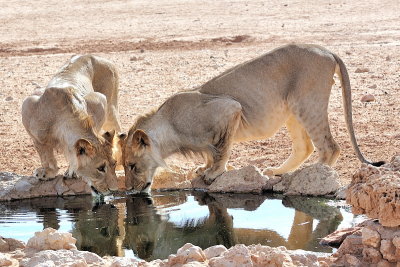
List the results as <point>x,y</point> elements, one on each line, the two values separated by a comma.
<point>377,164</point>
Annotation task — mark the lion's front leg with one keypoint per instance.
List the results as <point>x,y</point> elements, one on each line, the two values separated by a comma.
<point>49,167</point>
<point>222,149</point>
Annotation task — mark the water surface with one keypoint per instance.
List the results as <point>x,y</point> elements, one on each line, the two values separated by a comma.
<point>154,227</point>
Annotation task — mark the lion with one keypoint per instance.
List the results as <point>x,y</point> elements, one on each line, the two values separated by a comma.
<point>290,85</point>
<point>77,113</point>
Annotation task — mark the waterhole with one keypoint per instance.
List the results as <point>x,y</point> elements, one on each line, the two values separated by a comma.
<point>155,227</point>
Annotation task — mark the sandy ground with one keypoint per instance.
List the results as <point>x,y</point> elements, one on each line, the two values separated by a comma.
<point>161,47</point>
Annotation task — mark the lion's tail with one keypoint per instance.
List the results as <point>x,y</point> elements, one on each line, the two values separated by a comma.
<point>346,94</point>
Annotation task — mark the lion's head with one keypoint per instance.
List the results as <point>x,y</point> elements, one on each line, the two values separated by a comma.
<point>140,158</point>
<point>96,164</point>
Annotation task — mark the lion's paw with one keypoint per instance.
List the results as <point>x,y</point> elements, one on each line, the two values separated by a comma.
<point>273,171</point>
<point>70,174</point>
<point>209,176</point>
<point>200,170</point>
<point>45,173</point>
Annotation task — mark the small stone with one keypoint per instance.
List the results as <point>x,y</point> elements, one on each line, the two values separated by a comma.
<point>374,86</point>
<point>352,260</point>
<point>385,263</point>
<point>5,260</point>
<point>370,237</point>
<point>367,98</point>
<point>396,241</point>
<point>361,70</point>
<point>9,98</point>
<point>341,192</point>
<point>371,255</point>
<point>388,250</point>
<point>388,58</point>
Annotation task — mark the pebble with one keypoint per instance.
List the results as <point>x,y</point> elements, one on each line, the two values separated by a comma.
<point>361,70</point>
<point>367,98</point>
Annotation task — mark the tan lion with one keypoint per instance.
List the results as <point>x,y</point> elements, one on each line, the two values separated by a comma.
<point>290,85</point>
<point>79,101</point>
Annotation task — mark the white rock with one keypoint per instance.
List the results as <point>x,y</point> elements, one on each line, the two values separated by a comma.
<point>49,238</point>
<point>124,262</point>
<point>214,251</point>
<point>63,257</point>
<point>187,253</point>
<point>316,180</point>
<point>5,260</point>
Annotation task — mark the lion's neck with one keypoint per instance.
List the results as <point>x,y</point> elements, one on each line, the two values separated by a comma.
<point>162,134</point>
<point>68,135</point>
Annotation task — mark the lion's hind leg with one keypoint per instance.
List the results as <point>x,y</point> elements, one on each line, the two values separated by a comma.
<point>315,121</point>
<point>302,147</point>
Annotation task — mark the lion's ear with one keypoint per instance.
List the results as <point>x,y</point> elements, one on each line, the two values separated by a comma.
<point>140,139</point>
<point>84,147</point>
<point>109,136</point>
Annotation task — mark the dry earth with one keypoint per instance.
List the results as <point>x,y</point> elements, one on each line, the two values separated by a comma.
<point>161,47</point>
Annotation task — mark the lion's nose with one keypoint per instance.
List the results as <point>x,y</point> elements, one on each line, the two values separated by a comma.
<point>146,186</point>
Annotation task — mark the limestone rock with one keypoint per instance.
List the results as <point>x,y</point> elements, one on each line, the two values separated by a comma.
<point>351,245</point>
<point>336,238</point>
<point>371,255</point>
<point>341,192</point>
<point>236,256</point>
<point>49,238</point>
<point>20,187</point>
<point>63,257</point>
<point>388,251</point>
<point>187,253</point>
<point>5,260</point>
<point>376,192</point>
<point>370,237</point>
<point>396,242</point>
<point>214,251</point>
<point>173,178</point>
<point>10,244</point>
<point>124,262</point>
<point>315,180</point>
<point>246,180</point>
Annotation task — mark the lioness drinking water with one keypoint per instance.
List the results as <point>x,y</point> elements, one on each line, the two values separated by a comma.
<point>79,101</point>
<point>290,85</point>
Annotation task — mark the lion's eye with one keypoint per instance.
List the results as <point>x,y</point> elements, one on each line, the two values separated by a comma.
<point>102,168</point>
<point>132,167</point>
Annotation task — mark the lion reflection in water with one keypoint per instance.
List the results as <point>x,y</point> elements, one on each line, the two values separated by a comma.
<point>150,235</point>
